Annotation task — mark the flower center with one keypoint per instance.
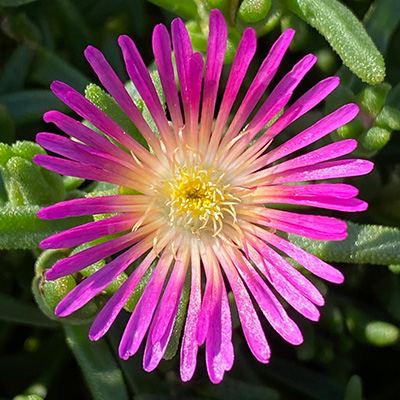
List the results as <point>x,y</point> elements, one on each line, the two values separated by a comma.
<point>197,200</point>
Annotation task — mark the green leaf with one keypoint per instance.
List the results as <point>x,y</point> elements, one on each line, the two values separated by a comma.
<point>14,3</point>
<point>106,103</point>
<point>16,69</point>
<point>381,21</point>
<point>354,389</point>
<point>252,11</point>
<point>186,9</point>
<point>20,227</point>
<point>233,389</point>
<point>313,385</point>
<point>7,126</point>
<point>365,244</point>
<point>48,67</point>
<point>345,34</point>
<point>30,105</point>
<point>98,365</point>
<point>20,312</point>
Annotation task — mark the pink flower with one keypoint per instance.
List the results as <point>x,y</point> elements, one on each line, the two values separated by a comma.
<point>202,196</point>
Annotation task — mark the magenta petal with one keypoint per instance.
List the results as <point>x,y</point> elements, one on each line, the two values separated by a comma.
<point>315,132</point>
<point>95,283</point>
<point>81,132</point>
<point>215,58</point>
<point>269,304</point>
<point>189,345</point>
<point>162,55</point>
<point>140,76</point>
<point>325,170</point>
<point>90,231</point>
<point>98,252</point>
<point>163,321</point>
<point>80,170</point>
<point>94,205</point>
<point>219,348</point>
<point>251,325</point>
<point>113,84</point>
<point>325,153</point>
<point>259,84</point>
<point>183,50</point>
<point>241,62</point>
<point>143,312</point>
<point>307,260</point>
<point>110,311</point>
<point>311,226</point>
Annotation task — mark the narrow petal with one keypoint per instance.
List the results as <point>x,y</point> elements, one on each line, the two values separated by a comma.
<point>81,132</point>
<point>81,105</point>
<point>325,153</point>
<point>241,62</point>
<point>258,86</point>
<point>140,76</point>
<point>182,50</point>
<point>163,321</point>
<point>311,226</point>
<point>141,316</point>
<point>81,153</point>
<point>275,102</point>
<point>301,106</point>
<point>216,46</point>
<point>324,170</point>
<point>95,205</point>
<point>269,304</point>
<point>162,55</point>
<point>100,251</point>
<point>307,260</point>
<point>110,311</point>
<point>113,84</point>
<point>219,348</point>
<point>290,293</point>
<point>80,170</point>
<point>250,323</point>
<point>98,281</point>
<point>90,231</point>
<point>310,135</point>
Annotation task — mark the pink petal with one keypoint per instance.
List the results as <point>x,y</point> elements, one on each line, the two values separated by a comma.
<point>292,295</point>
<point>90,231</point>
<point>140,76</point>
<point>98,281</point>
<point>81,132</point>
<point>113,84</point>
<point>141,316</point>
<point>260,83</point>
<point>307,260</point>
<point>162,55</point>
<point>163,321</point>
<point>216,46</point>
<point>269,304</point>
<point>89,256</point>
<point>250,323</point>
<point>95,205</point>
<point>244,54</point>
<point>110,311</point>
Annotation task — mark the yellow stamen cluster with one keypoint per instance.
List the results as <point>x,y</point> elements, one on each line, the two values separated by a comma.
<point>197,200</point>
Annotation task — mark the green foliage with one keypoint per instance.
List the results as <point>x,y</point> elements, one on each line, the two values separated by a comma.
<point>367,244</point>
<point>345,34</point>
<point>42,41</point>
<point>98,365</point>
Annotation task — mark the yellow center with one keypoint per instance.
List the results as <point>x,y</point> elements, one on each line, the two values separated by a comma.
<point>197,200</point>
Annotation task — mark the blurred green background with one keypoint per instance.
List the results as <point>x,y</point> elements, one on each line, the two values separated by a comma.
<point>353,353</point>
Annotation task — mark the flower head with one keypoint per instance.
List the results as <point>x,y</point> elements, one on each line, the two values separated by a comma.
<point>205,195</point>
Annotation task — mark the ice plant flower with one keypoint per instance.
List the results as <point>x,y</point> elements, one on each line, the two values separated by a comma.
<point>203,190</point>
